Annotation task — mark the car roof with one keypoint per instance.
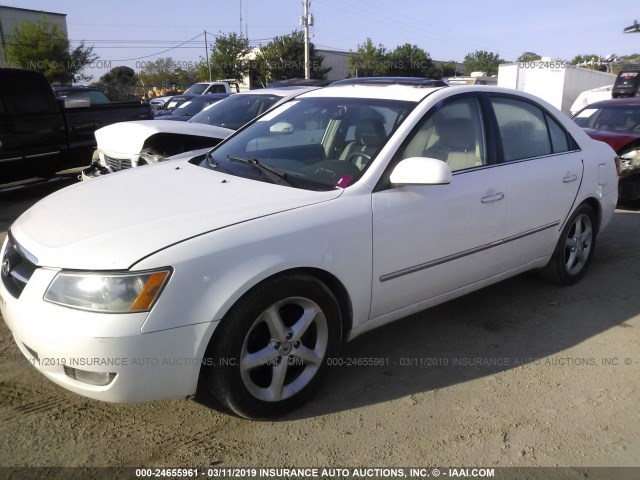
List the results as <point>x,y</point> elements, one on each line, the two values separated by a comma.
<point>282,91</point>
<point>205,97</point>
<point>615,102</point>
<point>414,93</point>
<point>410,81</point>
<point>74,88</point>
<point>389,91</point>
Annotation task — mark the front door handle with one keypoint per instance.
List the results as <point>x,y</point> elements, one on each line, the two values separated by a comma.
<point>570,178</point>
<point>492,198</point>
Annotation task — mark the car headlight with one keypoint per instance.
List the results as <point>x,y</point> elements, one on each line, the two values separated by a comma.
<point>149,157</point>
<point>107,292</point>
<point>630,160</point>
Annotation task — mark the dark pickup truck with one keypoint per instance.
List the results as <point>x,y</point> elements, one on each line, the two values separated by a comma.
<point>41,135</point>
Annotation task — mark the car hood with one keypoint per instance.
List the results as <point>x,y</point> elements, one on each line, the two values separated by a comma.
<point>617,141</point>
<point>127,138</point>
<point>113,221</point>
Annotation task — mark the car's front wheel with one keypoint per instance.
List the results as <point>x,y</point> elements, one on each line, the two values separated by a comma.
<point>575,248</point>
<point>270,351</point>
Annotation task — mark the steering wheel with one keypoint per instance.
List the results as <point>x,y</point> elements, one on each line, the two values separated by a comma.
<point>352,157</point>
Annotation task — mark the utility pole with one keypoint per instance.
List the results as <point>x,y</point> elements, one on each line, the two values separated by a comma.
<point>206,52</point>
<point>307,21</point>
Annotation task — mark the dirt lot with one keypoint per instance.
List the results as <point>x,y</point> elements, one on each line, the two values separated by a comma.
<point>519,374</point>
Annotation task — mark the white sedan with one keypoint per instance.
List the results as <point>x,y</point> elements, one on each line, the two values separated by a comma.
<point>234,276</point>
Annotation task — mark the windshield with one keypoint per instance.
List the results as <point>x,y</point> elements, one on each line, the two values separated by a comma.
<point>612,118</point>
<point>236,110</point>
<point>194,106</point>
<point>312,143</point>
<point>196,89</point>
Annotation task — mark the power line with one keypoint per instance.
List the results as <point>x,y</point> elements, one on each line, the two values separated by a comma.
<point>159,53</point>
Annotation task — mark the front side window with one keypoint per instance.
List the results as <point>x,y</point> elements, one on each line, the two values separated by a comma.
<point>453,134</point>
<point>314,143</point>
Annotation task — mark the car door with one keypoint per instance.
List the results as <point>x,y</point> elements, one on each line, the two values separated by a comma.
<point>543,168</point>
<point>432,239</point>
<point>10,149</point>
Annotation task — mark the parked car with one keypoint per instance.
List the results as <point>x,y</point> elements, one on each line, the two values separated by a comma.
<point>617,123</point>
<point>40,135</point>
<point>588,97</point>
<point>235,275</point>
<point>185,110</point>
<point>174,102</point>
<point>127,145</point>
<point>627,83</point>
<point>158,103</point>
<point>219,86</point>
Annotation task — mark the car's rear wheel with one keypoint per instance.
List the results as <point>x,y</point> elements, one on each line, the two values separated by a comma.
<point>575,248</point>
<point>270,351</point>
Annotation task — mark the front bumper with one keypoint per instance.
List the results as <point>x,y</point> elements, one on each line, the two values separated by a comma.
<point>143,366</point>
<point>629,187</point>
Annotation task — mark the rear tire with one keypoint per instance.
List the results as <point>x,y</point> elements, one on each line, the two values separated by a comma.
<point>269,353</point>
<point>574,250</point>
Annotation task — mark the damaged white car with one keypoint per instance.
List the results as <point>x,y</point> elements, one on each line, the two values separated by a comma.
<point>126,145</point>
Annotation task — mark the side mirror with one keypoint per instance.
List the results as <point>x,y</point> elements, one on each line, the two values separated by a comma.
<point>281,128</point>
<point>421,171</point>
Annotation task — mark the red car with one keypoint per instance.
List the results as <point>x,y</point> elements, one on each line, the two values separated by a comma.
<point>617,123</point>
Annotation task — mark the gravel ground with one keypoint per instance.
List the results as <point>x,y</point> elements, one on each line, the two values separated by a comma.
<point>522,374</point>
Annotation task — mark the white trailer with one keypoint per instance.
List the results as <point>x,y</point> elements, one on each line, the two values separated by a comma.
<point>557,82</point>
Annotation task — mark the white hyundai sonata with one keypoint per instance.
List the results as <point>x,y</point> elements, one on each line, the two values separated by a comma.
<point>234,275</point>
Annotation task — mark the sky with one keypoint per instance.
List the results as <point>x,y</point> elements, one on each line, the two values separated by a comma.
<point>132,32</point>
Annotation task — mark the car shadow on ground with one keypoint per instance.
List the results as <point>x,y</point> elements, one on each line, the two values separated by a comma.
<point>516,322</point>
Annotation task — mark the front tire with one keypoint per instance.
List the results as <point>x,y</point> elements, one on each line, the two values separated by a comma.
<point>574,249</point>
<point>269,353</point>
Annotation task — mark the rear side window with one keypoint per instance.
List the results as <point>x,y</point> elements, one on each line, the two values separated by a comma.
<point>559,138</point>
<point>523,130</point>
<point>27,95</point>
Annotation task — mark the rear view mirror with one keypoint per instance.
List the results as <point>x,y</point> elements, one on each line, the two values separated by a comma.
<point>421,171</point>
<point>281,128</point>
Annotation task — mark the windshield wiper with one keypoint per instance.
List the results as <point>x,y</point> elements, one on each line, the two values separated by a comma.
<point>270,173</point>
<point>210,161</point>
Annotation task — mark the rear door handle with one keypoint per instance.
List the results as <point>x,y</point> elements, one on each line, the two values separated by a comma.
<point>570,178</point>
<point>492,198</point>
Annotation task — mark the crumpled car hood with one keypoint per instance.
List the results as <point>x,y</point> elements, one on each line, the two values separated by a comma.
<point>127,138</point>
<point>113,221</point>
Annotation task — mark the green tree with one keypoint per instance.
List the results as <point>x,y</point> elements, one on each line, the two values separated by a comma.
<point>119,84</point>
<point>227,59</point>
<point>368,60</point>
<point>445,69</point>
<point>44,47</point>
<point>482,61</point>
<point>283,58</point>
<point>119,76</point>
<point>166,73</point>
<point>528,57</point>
<point>409,61</point>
